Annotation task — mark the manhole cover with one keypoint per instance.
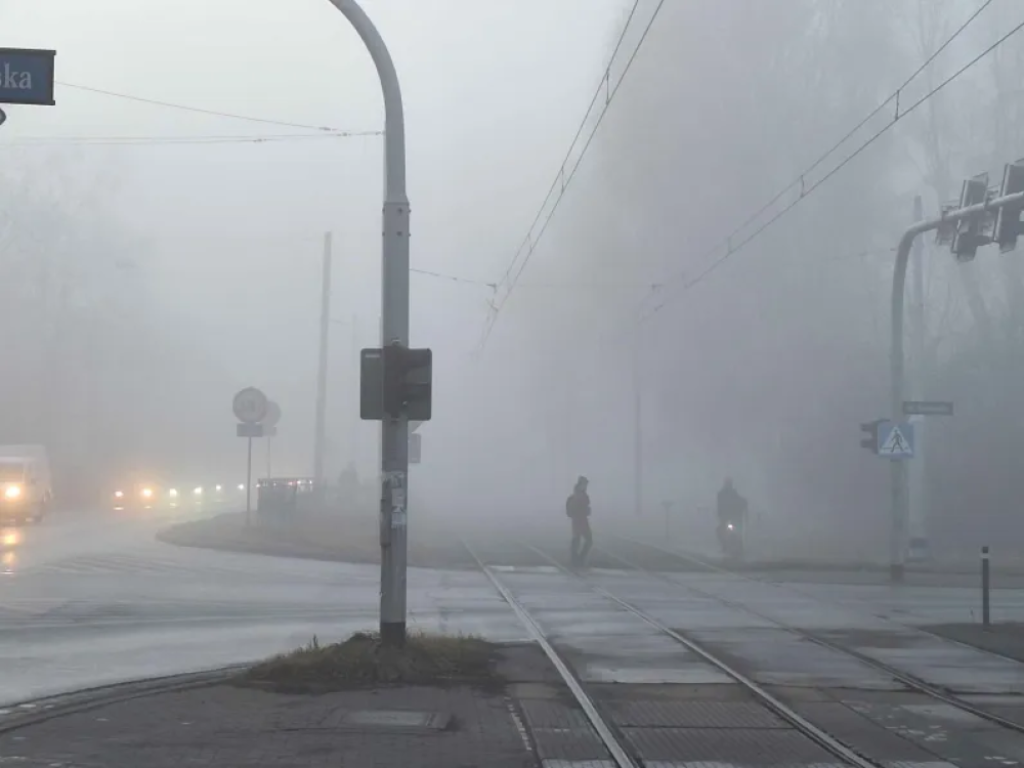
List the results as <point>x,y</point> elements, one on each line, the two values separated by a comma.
<point>385,718</point>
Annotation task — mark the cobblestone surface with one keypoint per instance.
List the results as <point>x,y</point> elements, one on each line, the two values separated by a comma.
<point>227,727</point>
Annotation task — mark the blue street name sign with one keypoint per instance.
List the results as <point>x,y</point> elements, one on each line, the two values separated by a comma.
<point>26,76</point>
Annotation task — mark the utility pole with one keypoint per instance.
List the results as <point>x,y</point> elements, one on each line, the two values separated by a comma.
<point>918,481</point>
<point>638,438</point>
<point>321,378</point>
<point>395,328</point>
<point>354,425</point>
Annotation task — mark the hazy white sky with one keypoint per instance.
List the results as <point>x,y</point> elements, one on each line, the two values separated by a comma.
<point>493,91</point>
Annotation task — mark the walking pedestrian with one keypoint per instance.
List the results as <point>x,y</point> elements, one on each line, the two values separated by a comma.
<point>577,509</point>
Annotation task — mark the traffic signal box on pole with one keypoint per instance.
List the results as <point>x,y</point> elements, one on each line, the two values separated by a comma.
<point>1001,225</point>
<point>969,231</point>
<point>395,380</point>
<point>871,441</point>
<point>1007,226</point>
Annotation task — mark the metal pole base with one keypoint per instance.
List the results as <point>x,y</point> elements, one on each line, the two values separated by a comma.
<point>392,634</point>
<point>897,573</point>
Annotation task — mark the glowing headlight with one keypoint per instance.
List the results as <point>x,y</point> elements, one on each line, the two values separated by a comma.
<point>241,486</point>
<point>118,494</point>
<point>147,493</point>
<point>729,526</point>
<point>198,491</point>
<point>219,488</point>
<point>11,538</point>
<point>173,493</point>
<point>12,491</point>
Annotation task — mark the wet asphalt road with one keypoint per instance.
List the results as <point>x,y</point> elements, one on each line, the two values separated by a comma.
<point>95,599</point>
<point>85,602</point>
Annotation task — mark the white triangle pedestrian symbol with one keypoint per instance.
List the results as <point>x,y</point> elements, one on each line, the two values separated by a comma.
<point>896,444</point>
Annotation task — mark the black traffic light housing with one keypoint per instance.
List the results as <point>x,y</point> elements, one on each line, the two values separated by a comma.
<point>871,441</point>
<point>395,380</point>
<point>407,382</point>
<point>968,231</point>
<point>1008,217</point>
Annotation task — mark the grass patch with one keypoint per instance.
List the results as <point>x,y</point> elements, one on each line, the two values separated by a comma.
<point>361,661</point>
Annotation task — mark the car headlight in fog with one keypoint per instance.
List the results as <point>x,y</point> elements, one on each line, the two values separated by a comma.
<point>198,491</point>
<point>118,494</point>
<point>241,486</point>
<point>173,493</point>
<point>12,491</point>
<point>219,488</point>
<point>147,493</point>
<point>11,538</point>
<point>730,526</point>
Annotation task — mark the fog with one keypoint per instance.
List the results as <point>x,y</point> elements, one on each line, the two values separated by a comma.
<point>159,258</point>
<point>763,367</point>
<point>224,236</point>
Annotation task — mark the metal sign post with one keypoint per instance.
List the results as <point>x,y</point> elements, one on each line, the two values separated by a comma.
<point>269,422</point>
<point>248,485</point>
<point>251,407</point>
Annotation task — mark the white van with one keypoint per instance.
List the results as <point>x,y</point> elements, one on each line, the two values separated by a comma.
<point>26,491</point>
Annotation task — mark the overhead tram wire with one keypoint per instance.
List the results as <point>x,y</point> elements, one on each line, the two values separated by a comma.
<point>530,244</point>
<point>42,141</point>
<point>197,110</point>
<point>563,179</point>
<point>894,96</point>
<point>733,247</point>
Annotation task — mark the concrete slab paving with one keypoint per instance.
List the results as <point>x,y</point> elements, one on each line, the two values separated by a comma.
<point>939,661</point>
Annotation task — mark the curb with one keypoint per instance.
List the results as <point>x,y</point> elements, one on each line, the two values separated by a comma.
<point>35,711</point>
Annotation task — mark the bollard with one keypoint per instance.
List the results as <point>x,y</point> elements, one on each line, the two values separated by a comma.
<point>985,616</point>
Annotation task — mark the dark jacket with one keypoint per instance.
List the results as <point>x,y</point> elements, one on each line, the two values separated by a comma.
<point>731,506</point>
<point>577,506</point>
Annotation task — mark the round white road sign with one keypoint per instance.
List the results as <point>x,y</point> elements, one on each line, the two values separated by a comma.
<point>250,405</point>
<point>272,416</point>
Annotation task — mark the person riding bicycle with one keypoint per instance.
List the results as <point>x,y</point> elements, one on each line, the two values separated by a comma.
<point>732,508</point>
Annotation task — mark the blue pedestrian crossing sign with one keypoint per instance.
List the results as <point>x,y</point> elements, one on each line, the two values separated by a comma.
<point>896,440</point>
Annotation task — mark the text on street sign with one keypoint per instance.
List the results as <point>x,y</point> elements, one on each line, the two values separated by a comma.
<point>26,76</point>
<point>927,408</point>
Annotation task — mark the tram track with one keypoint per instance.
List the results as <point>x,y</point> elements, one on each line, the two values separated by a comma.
<point>911,681</point>
<point>621,751</point>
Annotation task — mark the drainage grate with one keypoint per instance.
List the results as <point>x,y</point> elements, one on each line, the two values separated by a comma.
<point>397,719</point>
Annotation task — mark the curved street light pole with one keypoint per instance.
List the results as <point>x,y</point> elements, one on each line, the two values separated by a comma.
<point>395,329</point>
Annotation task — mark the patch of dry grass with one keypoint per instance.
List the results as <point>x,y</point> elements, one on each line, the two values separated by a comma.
<point>362,661</point>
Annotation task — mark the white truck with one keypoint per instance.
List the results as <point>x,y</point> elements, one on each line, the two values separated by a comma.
<point>26,487</point>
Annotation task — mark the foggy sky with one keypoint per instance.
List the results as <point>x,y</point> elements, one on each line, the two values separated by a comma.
<point>232,232</point>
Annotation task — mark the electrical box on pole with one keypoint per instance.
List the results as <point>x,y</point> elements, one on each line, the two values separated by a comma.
<point>396,380</point>
<point>871,441</point>
<point>1007,226</point>
<point>969,231</point>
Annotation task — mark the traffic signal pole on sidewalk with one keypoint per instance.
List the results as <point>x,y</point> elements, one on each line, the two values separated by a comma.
<point>395,320</point>
<point>965,220</point>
